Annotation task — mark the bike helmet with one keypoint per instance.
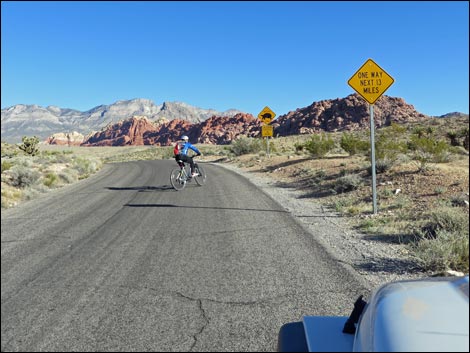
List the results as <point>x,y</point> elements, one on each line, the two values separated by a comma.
<point>185,138</point>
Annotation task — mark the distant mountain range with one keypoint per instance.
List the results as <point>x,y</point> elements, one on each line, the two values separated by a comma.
<point>121,122</point>
<point>28,120</point>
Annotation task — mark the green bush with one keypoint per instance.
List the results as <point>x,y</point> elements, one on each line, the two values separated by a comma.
<point>245,145</point>
<point>85,166</point>
<point>6,165</point>
<point>353,145</point>
<point>50,179</point>
<point>319,145</point>
<point>388,146</point>
<point>397,129</point>
<point>419,131</point>
<point>427,150</point>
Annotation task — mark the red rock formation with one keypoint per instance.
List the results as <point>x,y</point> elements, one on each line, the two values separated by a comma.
<point>215,130</point>
<point>222,130</point>
<point>345,114</point>
<point>342,114</point>
<point>167,133</point>
<point>126,132</point>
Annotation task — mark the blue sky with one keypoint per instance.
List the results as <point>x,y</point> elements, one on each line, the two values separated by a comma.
<point>231,54</point>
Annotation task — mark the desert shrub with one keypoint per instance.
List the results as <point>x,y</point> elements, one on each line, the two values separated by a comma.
<point>321,173</point>
<point>460,200</point>
<point>68,177</point>
<point>389,147</point>
<point>449,250</point>
<point>61,158</point>
<point>6,165</point>
<point>53,153</point>
<point>397,129</point>
<point>440,189</point>
<point>167,152</point>
<point>319,145</point>
<point>428,149</point>
<point>444,218</point>
<point>347,183</point>
<point>30,145</point>
<point>341,204</point>
<point>31,193</point>
<point>50,179</point>
<point>8,150</point>
<point>298,146</point>
<point>24,161</point>
<point>465,137</point>
<point>318,177</point>
<point>453,137</point>
<point>205,151</point>
<point>353,145</point>
<point>21,176</point>
<point>245,145</point>
<point>85,166</point>
<point>381,166</point>
<point>419,131</point>
<point>10,196</point>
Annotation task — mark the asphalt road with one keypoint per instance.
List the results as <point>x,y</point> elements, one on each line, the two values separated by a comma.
<point>122,262</point>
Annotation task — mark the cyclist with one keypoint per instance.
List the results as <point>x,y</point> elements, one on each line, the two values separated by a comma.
<point>181,153</point>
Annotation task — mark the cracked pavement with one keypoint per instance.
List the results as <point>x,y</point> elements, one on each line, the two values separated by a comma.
<point>121,262</point>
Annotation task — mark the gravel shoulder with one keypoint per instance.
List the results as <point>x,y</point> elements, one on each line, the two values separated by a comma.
<point>373,259</point>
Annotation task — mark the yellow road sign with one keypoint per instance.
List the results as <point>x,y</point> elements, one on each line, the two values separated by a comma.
<point>266,115</point>
<point>267,130</point>
<point>370,81</point>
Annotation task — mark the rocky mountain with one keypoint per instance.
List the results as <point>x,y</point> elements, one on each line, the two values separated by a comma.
<point>341,114</point>
<point>66,139</point>
<point>139,130</point>
<point>454,115</point>
<point>345,114</point>
<point>28,120</point>
<point>140,122</point>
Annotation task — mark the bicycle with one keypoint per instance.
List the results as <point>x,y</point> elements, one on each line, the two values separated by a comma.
<point>179,177</point>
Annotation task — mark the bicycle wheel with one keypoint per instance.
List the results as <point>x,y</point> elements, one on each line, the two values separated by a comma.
<point>201,178</point>
<point>177,179</point>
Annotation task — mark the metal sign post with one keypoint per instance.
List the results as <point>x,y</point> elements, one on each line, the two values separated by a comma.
<point>267,146</point>
<point>372,157</point>
<point>266,116</point>
<point>371,81</point>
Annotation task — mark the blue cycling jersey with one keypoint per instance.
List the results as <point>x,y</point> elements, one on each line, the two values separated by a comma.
<point>186,147</point>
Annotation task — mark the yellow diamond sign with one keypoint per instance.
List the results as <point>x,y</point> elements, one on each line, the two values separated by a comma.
<point>370,81</point>
<point>266,115</point>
